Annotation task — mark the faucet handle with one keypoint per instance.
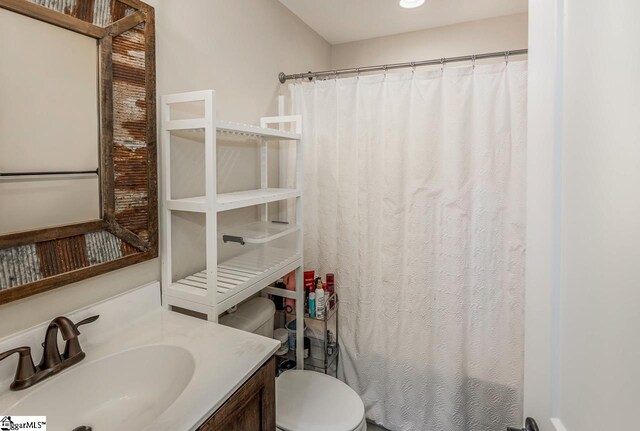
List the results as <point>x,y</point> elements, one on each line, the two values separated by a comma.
<point>72,347</point>
<point>88,320</point>
<point>25,369</point>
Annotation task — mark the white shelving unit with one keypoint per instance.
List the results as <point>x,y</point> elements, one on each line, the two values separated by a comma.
<point>222,284</point>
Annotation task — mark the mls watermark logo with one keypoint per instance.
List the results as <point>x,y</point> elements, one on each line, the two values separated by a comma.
<point>24,423</point>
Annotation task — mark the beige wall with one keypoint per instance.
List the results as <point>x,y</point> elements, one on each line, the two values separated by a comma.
<point>235,47</point>
<point>475,37</point>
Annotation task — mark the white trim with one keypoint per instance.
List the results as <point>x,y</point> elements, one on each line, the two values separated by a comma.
<point>543,196</point>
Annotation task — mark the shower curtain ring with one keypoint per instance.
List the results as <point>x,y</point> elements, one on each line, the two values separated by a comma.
<point>358,72</point>
<point>442,63</point>
<point>473,61</point>
<point>413,67</point>
<point>385,70</point>
<point>335,75</point>
<point>506,56</point>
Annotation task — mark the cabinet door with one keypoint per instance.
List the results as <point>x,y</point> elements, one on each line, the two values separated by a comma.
<point>250,408</point>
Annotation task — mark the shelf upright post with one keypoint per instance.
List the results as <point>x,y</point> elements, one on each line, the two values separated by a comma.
<point>299,245</point>
<point>296,121</point>
<point>165,184</point>
<point>283,159</point>
<point>264,175</point>
<point>211,214</point>
<point>300,318</point>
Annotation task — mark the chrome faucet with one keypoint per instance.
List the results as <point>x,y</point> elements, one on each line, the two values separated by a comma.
<point>52,361</point>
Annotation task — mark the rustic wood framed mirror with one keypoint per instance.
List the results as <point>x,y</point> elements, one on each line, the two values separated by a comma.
<point>125,230</point>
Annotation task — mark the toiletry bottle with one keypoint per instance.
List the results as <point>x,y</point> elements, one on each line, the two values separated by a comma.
<point>330,289</point>
<point>309,286</point>
<point>279,300</point>
<point>290,282</point>
<point>312,304</point>
<point>309,280</point>
<point>319,300</point>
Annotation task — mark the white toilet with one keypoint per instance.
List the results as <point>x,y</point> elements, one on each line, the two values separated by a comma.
<point>305,400</point>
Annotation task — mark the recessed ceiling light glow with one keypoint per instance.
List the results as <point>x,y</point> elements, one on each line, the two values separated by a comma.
<point>410,4</point>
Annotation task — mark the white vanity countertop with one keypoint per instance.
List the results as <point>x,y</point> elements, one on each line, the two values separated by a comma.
<point>224,357</point>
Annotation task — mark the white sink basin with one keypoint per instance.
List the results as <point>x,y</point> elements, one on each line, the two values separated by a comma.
<point>125,391</point>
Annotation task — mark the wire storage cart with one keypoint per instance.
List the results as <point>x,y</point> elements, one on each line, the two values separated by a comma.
<point>323,334</point>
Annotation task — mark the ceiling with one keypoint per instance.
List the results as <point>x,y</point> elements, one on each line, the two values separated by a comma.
<point>340,21</point>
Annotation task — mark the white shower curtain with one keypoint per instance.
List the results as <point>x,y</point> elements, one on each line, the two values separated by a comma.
<point>415,197</point>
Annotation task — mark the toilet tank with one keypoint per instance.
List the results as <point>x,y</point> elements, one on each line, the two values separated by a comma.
<point>254,316</point>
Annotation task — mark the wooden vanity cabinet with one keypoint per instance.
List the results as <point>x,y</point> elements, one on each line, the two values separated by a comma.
<point>250,408</point>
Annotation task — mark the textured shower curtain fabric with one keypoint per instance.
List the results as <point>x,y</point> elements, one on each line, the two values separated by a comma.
<point>414,195</point>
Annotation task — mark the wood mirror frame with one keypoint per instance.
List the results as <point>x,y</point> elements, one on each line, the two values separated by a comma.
<point>36,261</point>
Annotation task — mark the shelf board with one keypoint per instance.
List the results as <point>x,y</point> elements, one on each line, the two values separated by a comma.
<point>329,311</point>
<point>247,198</point>
<point>196,204</point>
<point>328,315</point>
<point>190,134</point>
<point>194,129</point>
<point>190,124</point>
<point>260,232</point>
<point>255,131</point>
<point>238,277</point>
<point>234,200</point>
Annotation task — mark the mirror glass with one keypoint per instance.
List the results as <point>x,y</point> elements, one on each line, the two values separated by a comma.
<point>49,121</point>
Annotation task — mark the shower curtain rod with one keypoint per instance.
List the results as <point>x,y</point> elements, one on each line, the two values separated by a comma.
<point>506,54</point>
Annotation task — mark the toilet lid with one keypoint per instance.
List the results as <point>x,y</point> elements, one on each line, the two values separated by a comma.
<point>311,401</point>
